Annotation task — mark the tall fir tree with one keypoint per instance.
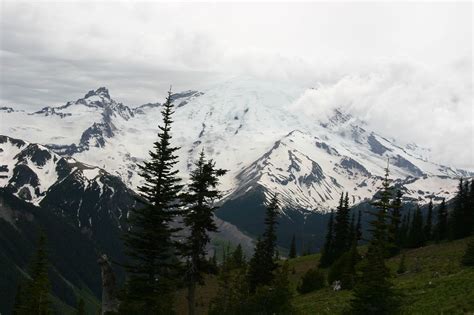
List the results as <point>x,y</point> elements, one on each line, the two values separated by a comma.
<point>469,212</point>
<point>342,237</point>
<point>405,230</point>
<point>19,299</point>
<point>416,236</point>
<point>442,222</point>
<point>394,225</point>
<point>352,227</point>
<point>429,222</point>
<point>468,257</point>
<point>81,307</point>
<point>33,297</point>
<point>292,253</point>
<point>327,252</point>
<point>149,240</point>
<point>238,257</point>
<point>457,219</point>
<point>199,221</point>
<point>262,265</point>
<point>373,292</point>
<point>358,229</point>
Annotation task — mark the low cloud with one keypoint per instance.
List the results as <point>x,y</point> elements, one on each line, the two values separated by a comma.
<point>406,78</point>
<point>407,102</point>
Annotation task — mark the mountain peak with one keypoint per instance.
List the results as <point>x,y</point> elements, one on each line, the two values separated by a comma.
<point>102,91</point>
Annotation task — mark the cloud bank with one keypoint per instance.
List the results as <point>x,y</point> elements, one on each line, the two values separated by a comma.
<point>404,67</point>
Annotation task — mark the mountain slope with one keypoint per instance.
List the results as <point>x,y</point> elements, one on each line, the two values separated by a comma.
<point>74,271</point>
<point>251,128</point>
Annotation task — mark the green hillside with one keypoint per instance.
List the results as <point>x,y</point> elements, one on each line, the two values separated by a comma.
<point>435,283</point>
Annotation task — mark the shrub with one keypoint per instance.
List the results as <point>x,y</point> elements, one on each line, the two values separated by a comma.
<point>312,280</point>
<point>402,266</point>
<point>344,270</point>
<point>468,258</point>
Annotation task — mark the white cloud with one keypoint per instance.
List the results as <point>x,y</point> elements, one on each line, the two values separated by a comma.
<point>407,67</point>
<point>407,102</point>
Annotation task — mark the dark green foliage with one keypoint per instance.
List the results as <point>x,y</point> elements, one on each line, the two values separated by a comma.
<point>402,268</point>
<point>416,235</point>
<point>238,257</point>
<point>81,307</point>
<point>312,280</point>
<point>274,299</point>
<point>70,268</point>
<point>292,253</point>
<point>352,228</point>
<point>462,217</point>
<point>344,269</point>
<point>19,300</point>
<point>442,224</point>
<point>327,252</point>
<point>405,229</point>
<point>373,293</point>
<point>149,242</point>
<point>358,228</point>
<point>33,297</point>
<point>342,233</point>
<point>232,293</point>
<point>262,264</point>
<point>199,221</point>
<point>429,223</point>
<point>468,258</point>
<point>234,298</point>
<point>394,236</point>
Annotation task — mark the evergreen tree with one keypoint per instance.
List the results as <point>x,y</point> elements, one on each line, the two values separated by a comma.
<point>352,228</point>
<point>358,229</point>
<point>213,268</point>
<point>262,265</point>
<point>275,298</point>
<point>292,253</point>
<point>402,265</point>
<point>344,268</point>
<point>269,236</point>
<point>442,224</point>
<point>327,252</point>
<point>81,307</point>
<point>405,230</point>
<point>232,293</point>
<point>238,258</point>
<point>199,221</point>
<point>469,212</point>
<point>33,298</point>
<point>429,222</point>
<point>312,280</point>
<point>468,258</point>
<point>416,235</point>
<point>342,237</point>
<point>394,226</point>
<point>148,241</point>
<point>457,220</point>
<point>373,293</point>
<point>18,306</point>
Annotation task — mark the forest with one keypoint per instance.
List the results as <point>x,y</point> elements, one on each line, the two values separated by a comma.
<point>168,263</point>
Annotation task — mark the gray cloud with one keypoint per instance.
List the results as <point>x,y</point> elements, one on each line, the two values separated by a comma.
<point>412,60</point>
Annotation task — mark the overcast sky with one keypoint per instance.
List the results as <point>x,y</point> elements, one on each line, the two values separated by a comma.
<point>414,59</point>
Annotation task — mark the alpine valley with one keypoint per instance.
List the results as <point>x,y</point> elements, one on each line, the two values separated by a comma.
<point>73,168</point>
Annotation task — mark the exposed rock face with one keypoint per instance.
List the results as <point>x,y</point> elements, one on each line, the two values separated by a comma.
<point>110,302</point>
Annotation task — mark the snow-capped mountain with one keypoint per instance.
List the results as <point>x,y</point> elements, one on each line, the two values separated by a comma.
<point>86,194</point>
<point>88,197</point>
<point>250,128</point>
